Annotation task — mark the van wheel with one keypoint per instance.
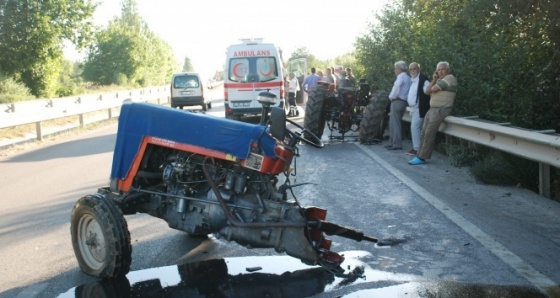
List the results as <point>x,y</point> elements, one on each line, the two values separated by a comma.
<point>209,106</point>
<point>204,107</point>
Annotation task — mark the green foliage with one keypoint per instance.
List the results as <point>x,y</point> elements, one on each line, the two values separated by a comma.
<point>346,60</point>
<point>312,61</point>
<point>11,90</point>
<point>504,53</point>
<point>31,36</point>
<point>69,79</point>
<point>127,52</point>
<point>460,155</point>
<point>504,169</point>
<point>42,78</point>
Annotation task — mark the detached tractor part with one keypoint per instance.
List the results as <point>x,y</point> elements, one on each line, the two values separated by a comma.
<point>375,118</point>
<point>343,110</point>
<point>222,177</point>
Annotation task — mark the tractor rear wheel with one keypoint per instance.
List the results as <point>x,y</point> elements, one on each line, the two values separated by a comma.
<point>372,124</point>
<point>314,110</point>
<point>100,237</point>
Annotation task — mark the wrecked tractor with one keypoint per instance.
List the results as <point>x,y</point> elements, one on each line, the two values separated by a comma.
<point>203,175</point>
<point>346,110</point>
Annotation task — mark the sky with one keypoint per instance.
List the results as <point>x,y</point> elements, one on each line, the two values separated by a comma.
<point>202,30</point>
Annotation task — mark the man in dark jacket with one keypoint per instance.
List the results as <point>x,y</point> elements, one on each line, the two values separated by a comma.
<point>419,103</point>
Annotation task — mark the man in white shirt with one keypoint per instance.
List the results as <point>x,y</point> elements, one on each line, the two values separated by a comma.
<point>419,103</point>
<point>293,87</point>
<point>398,97</point>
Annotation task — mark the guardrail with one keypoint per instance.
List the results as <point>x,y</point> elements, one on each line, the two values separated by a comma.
<point>537,146</point>
<point>38,111</point>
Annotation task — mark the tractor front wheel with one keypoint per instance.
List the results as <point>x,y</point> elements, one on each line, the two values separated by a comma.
<point>100,237</point>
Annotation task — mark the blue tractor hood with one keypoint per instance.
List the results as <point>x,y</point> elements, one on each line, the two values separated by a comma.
<point>140,120</point>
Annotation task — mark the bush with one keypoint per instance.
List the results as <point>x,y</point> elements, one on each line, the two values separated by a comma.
<point>69,90</point>
<point>500,168</point>
<point>12,91</point>
<point>461,155</point>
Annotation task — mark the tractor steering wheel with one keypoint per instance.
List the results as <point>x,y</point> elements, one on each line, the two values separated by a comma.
<point>313,139</point>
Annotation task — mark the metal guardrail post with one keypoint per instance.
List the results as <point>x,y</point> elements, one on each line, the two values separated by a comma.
<point>544,180</point>
<point>38,131</point>
<point>81,116</point>
<point>110,113</point>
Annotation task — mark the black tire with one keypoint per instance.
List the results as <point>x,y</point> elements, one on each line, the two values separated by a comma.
<point>100,237</point>
<point>209,105</point>
<point>372,124</point>
<point>204,107</point>
<point>314,110</point>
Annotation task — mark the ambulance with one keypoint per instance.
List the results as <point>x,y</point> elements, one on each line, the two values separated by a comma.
<point>250,68</point>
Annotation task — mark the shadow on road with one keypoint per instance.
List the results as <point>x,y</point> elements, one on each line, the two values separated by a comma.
<point>160,251</point>
<point>75,148</point>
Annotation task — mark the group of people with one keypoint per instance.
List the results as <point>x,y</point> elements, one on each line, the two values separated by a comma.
<point>336,75</point>
<point>429,101</point>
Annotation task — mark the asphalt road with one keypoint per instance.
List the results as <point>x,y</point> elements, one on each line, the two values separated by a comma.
<point>452,228</point>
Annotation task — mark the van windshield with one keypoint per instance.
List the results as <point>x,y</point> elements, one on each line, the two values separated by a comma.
<point>252,69</point>
<point>186,81</point>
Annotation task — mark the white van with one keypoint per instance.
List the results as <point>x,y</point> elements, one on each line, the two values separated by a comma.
<point>187,90</point>
<point>250,68</point>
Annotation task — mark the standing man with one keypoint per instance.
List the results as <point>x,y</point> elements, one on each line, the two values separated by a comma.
<point>350,77</point>
<point>337,71</point>
<point>310,81</point>
<point>419,103</point>
<point>293,87</point>
<point>442,91</point>
<point>398,97</point>
<point>343,81</point>
<point>329,77</point>
<point>320,75</point>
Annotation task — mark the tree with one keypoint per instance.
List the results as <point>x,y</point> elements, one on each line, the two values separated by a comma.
<point>128,53</point>
<point>187,65</point>
<point>303,52</point>
<point>32,35</point>
<point>504,53</point>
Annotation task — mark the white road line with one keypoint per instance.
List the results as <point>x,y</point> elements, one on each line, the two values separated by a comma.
<point>523,268</point>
